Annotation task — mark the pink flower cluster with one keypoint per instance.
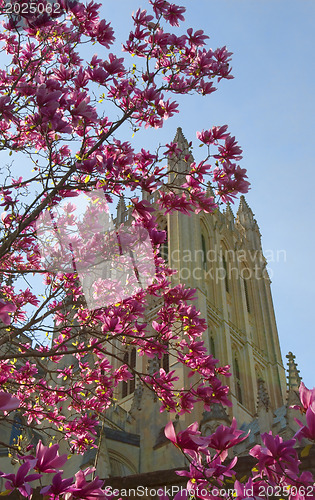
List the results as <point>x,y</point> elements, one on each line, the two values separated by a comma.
<point>48,461</point>
<point>307,397</point>
<point>56,122</point>
<point>277,460</point>
<point>230,178</point>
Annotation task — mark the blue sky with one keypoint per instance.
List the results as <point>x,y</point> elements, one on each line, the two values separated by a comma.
<point>269,107</point>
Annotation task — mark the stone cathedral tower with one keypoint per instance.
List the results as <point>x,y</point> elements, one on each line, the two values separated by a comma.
<point>220,255</point>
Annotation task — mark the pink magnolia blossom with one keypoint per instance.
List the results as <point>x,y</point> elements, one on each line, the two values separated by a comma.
<point>184,439</point>
<point>307,398</point>
<point>174,14</point>
<point>8,402</point>
<point>195,474</point>
<point>58,486</point>
<point>275,454</point>
<point>21,479</point>
<point>86,490</point>
<point>198,38</point>
<point>308,430</point>
<point>49,104</point>
<point>243,489</point>
<point>5,308</point>
<point>46,459</point>
<point>172,150</point>
<point>212,135</point>
<point>215,468</point>
<point>224,438</point>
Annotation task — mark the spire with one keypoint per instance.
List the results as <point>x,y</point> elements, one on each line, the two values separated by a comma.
<point>229,216</point>
<point>121,210</point>
<point>244,211</point>
<point>179,163</point>
<point>121,204</point>
<point>210,191</point>
<point>245,219</point>
<point>244,215</point>
<point>136,400</point>
<point>229,211</point>
<point>243,204</point>
<point>264,414</point>
<point>153,365</point>
<point>262,397</point>
<point>294,378</point>
<point>181,140</point>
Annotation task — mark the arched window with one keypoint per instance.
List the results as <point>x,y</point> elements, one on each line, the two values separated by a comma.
<point>164,246</point>
<point>120,465</point>
<point>132,382</point>
<point>130,360</point>
<point>212,346</point>
<point>226,278</point>
<point>16,429</point>
<point>246,295</point>
<point>238,385</point>
<point>204,251</point>
<point>166,362</point>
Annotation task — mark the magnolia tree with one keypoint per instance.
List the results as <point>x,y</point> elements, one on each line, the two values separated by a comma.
<point>64,163</point>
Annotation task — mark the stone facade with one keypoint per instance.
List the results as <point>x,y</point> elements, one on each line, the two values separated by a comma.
<point>220,255</point>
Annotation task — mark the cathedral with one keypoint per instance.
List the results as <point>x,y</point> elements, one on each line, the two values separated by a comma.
<point>220,255</point>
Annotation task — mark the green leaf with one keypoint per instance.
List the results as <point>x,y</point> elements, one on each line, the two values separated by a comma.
<point>306,451</point>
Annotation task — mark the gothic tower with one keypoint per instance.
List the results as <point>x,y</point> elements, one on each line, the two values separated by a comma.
<point>220,255</point>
